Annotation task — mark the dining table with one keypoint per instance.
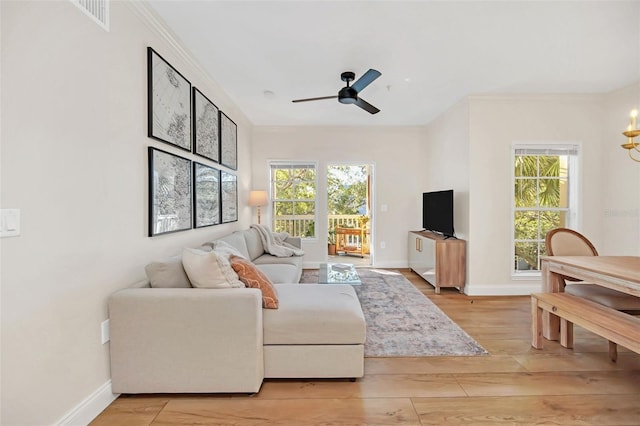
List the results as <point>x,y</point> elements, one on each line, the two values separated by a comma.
<point>621,273</point>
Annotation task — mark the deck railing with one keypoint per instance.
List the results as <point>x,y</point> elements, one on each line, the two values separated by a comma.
<point>304,226</point>
<point>344,220</point>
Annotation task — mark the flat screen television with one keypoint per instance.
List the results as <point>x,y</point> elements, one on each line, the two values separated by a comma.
<point>437,212</point>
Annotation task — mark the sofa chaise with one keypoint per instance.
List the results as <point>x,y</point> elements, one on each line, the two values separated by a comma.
<point>200,340</point>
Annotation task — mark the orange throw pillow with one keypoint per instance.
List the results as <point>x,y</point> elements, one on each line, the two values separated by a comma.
<point>252,277</point>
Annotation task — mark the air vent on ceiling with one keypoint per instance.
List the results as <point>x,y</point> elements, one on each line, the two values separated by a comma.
<point>98,10</point>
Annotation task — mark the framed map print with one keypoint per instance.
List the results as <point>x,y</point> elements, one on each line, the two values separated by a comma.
<point>206,195</point>
<point>228,142</point>
<point>206,134</point>
<point>169,103</point>
<point>229,193</point>
<point>169,192</point>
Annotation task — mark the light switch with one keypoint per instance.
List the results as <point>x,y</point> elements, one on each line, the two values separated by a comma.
<point>383,208</point>
<point>9,222</point>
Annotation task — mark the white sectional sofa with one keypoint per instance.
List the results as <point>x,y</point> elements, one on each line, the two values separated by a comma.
<point>195,340</point>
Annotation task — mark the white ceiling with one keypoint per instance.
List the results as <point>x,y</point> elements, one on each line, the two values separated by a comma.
<point>431,53</point>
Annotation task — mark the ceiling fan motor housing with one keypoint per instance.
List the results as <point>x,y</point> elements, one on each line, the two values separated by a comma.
<point>347,95</point>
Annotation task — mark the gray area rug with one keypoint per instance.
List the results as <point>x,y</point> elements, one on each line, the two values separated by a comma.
<point>403,322</point>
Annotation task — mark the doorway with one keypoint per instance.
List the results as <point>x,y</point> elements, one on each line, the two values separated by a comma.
<point>349,213</point>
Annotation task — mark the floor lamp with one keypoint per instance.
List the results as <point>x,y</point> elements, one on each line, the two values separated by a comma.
<point>258,199</point>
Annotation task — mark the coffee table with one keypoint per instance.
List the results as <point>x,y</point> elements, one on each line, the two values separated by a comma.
<point>338,273</point>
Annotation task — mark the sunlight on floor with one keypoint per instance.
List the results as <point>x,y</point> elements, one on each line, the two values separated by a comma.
<point>385,272</point>
<point>354,260</point>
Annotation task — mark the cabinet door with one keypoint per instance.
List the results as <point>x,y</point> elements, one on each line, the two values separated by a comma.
<point>421,253</point>
<point>414,250</point>
<point>451,264</point>
<point>428,253</point>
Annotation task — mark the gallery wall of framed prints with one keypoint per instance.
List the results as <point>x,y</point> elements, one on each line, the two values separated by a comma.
<point>206,125</point>
<point>169,192</point>
<point>169,103</point>
<point>189,187</point>
<point>229,193</point>
<point>228,142</point>
<point>206,195</point>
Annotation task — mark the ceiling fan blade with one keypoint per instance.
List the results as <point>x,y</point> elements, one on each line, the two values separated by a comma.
<point>366,79</point>
<point>314,99</point>
<point>366,106</point>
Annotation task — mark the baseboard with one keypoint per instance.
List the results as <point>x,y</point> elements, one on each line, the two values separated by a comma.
<point>90,408</point>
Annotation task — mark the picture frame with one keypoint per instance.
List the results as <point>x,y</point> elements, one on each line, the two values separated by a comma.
<point>206,127</point>
<point>228,142</point>
<point>206,195</point>
<point>229,196</point>
<point>170,208</point>
<point>169,103</point>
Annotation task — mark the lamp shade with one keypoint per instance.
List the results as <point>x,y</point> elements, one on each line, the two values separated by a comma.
<point>258,198</point>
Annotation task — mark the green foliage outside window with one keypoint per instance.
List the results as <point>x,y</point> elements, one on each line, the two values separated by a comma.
<point>541,204</point>
<point>347,190</point>
<point>294,200</point>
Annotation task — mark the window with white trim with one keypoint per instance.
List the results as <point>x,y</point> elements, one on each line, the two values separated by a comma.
<point>544,197</point>
<point>293,198</point>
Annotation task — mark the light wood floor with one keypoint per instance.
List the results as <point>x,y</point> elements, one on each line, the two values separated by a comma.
<point>515,384</point>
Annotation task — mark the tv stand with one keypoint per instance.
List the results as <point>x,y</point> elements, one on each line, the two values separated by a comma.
<point>439,260</point>
<point>444,236</point>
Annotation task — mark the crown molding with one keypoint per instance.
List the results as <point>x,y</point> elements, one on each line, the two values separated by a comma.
<point>155,23</point>
<point>536,96</point>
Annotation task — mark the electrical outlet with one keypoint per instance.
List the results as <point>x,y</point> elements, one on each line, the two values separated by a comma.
<point>9,222</point>
<point>104,328</point>
<point>383,245</point>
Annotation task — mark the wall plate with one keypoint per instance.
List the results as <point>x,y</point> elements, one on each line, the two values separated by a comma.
<point>9,222</point>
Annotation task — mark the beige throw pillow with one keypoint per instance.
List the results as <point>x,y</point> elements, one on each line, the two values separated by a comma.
<point>227,270</point>
<point>204,270</point>
<point>168,273</point>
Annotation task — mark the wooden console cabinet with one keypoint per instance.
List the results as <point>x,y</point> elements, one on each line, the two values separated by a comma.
<point>441,262</point>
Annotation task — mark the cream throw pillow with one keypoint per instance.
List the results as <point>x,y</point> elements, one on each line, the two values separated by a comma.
<point>204,270</point>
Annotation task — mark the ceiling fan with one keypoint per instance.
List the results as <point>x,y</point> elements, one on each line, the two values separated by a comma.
<point>349,94</point>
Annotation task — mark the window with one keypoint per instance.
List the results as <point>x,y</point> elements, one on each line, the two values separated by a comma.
<point>544,197</point>
<point>293,198</point>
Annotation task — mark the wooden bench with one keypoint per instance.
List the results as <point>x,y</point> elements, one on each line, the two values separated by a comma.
<point>617,327</point>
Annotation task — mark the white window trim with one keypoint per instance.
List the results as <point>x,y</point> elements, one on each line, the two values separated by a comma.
<point>574,218</point>
<point>277,163</point>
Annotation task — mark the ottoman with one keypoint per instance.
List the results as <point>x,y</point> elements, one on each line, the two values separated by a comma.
<point>317,332</point>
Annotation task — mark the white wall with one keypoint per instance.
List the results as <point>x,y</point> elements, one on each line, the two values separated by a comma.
<point>397,154</point>
<point>495,123</point>
<point>74,160</point>
<point>477,134</point>
<point>447,159</point>
<point>620,204</point>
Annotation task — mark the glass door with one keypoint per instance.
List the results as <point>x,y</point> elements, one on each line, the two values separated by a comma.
<point>349,213</point>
